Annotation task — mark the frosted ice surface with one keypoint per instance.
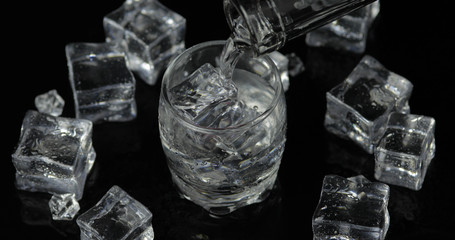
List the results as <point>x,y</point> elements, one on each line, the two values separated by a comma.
<point>295,65</point>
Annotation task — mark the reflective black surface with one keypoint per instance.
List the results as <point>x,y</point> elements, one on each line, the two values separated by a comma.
<point>415,41</point>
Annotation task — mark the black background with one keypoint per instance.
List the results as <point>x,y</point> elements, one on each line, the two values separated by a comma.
<point>414,40</point>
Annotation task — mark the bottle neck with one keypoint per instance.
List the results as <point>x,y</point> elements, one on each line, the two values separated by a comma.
<point>266,25</point>
<point>254,24</point>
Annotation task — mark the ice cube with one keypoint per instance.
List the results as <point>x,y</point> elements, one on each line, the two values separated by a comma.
<point>225,114</point>
<point>204,87</point>
<point>150,33</point>
<point>54,154</point>
<point>405,151</point>
<point>63,206</point>
<point>351,208</point>
<point>50,103</point>
<point>103,87</point>
<point>295,64</point>
<point>358,108</point>
<point>347,33</point>
<point>116,216</point>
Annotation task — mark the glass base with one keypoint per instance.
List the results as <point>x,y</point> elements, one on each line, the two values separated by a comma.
<point>223,201</point>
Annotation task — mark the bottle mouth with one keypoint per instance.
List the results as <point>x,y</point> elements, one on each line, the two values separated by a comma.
<point>237,20</point>
<point>250,27</point>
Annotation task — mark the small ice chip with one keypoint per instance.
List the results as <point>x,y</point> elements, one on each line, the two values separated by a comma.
<point>295,65</point>
<point>50,103</point>
<point>63,206</point>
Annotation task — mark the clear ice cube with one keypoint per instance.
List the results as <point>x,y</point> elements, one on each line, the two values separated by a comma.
<point>54,154</point>
<point>116,216</point>
<point>347,33</point>
<point>351,208</point>
<point>358,108</point>
<point>224,114</point>
<point>50,103</point>
<point>405,151</point>
<point>203,88</point>
<point>150,34</point>
<point>64,206</point>
<point>103,87</point>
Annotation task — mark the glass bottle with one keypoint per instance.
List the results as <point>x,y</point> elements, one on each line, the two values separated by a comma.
<point>266,25</point>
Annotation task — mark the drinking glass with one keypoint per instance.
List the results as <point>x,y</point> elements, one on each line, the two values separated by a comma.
<point>223,168</point>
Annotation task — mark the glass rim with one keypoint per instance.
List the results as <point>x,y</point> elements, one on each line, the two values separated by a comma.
<point>188,52</point>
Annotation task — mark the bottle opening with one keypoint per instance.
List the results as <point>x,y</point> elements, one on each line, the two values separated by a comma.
<point>238,23</point>
<point>255,25</point>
